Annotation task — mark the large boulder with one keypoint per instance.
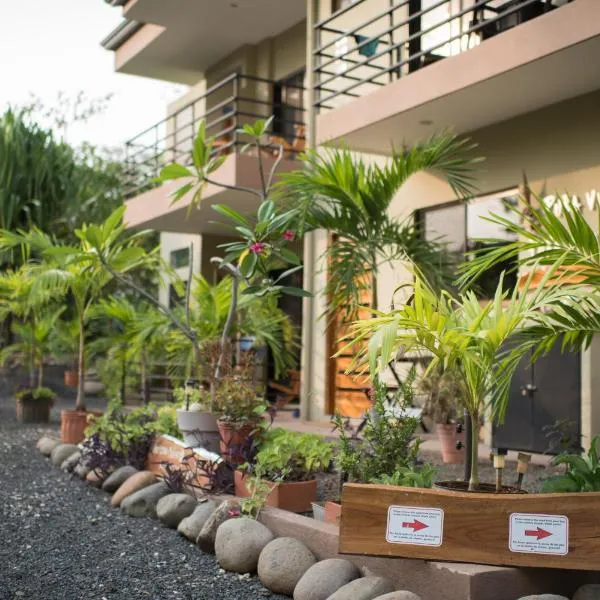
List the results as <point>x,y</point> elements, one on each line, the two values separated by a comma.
<point>365,588</point>
<point>400,595</point>
<point>239,542</point>
<point>70,463</point>
<point>325,578</point>
<point>591,591</point>
<point>61,453</point>
<point>228,509</point>
<point>172,509</point>
<point>190,526</point>
<point>116,479</point>
<point>143,502</point>
<point>282,563</point>
<point>46,444</point>
<point>131,485</point>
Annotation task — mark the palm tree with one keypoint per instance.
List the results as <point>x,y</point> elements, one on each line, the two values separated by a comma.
<point>76,272</point>
<point>340,192</point>
<point>482,342</point>
<point>566,245</point>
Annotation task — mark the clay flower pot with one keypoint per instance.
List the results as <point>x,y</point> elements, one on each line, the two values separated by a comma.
<point>71,378</point>
<point>295,496</point>
<point>73,424</point>
<point>235,438</point>
<point>449,439</point>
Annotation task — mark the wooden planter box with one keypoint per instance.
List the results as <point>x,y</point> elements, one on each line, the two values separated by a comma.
<point>295,496</point>
<point>560,531</point>
<point>33,411</point>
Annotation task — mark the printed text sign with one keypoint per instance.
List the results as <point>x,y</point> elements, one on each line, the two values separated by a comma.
<point>413,525</point>
<point>538,534</point>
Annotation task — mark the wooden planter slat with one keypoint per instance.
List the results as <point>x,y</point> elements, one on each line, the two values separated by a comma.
<point>475,526</point>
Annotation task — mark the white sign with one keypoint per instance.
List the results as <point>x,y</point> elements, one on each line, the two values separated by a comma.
<point>558,204</point>
<point>539,534</point>
<point>414,525</point>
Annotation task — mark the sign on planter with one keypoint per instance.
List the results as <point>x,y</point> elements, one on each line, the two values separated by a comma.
<point>413,525</point>
<point>539,534</point>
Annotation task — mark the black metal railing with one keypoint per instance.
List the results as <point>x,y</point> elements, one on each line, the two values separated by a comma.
<point>225,108</point>
<point>359,48</point>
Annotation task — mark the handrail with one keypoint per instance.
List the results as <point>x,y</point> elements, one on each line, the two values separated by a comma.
<point>326,79</point>
<point>172,138</point>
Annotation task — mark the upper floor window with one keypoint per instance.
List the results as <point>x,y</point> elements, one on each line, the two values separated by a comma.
<point>180,258</point>
<point>462,227</point>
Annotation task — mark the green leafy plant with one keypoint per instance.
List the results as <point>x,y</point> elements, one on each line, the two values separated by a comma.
<point>166,421</point>
<point>238,400</point>
<point>418,477</point>
<point>192,398</point>
<point>444,390</point>
<point>43,394</point>
<point>388,444</point>
<point>290,456</point>
<point>582,472</point>
<point>259,490</point>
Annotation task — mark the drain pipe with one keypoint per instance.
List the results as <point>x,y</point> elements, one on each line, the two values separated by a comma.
<point>309,254</point>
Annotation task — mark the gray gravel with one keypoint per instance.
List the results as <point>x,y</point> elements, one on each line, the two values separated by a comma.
<point>61,540</point>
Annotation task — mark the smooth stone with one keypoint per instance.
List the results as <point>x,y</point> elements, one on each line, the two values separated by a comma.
<point>172,509</point>
<point>543,597</point>
<point>282,563</point>
<point>400,595</point>
<point>364,588</point>
<point>70,463</point>
<point>115,480</point>
<point>131,485</point>
<point>143,502</point>
<point>590,591</point>
<point>228,509</point>
<point>239,542</point>
<point>191,526</point>
<point>62,452</point>
<point>81,470</point>
<point>46,444</point>
<point>325,578</point>
<point>95,478</point>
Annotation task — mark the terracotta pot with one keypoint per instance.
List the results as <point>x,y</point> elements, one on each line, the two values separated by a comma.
<point>295,496</point>
<point>235,438</point>
<point>73,424</point>
<point>71,378</point>
<point>30,410</point>
<point>448,441</point>
<point>333,513</point>
<point>199,429</point>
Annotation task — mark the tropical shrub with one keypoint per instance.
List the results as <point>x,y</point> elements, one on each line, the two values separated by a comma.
<point>43,394</point>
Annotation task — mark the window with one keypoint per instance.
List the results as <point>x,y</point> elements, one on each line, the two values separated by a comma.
<point>461,228</point>
<point>180,258</point>
<point>288,106</point>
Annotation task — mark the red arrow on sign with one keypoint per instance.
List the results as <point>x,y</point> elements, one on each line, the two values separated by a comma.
<point>539,533</point>
<point>415,525</point>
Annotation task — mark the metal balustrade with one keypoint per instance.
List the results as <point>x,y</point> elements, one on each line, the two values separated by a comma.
<point>360,48</point>
<point>225,107</point>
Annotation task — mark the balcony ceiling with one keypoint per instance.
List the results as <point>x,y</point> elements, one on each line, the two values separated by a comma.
<point>199,33</point>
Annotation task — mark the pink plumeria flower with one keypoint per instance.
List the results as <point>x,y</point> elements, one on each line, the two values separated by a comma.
<point>234,513</point>
<point>257,247</point>
<point>289,235</point>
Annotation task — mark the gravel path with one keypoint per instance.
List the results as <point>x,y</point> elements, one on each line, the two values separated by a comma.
<point>61,540</point>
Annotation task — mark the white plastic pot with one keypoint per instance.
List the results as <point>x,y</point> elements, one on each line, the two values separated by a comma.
<point>199,429</point>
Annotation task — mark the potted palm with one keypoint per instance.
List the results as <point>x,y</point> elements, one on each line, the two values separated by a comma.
<point>76,272</point>
<point>65,344</point>
<point>444,391</point>
<point>288,461</point>
<point>481,341</point>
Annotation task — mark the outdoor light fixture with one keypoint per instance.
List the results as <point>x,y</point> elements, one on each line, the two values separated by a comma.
<point>499,464</point>
<point>522,466</point>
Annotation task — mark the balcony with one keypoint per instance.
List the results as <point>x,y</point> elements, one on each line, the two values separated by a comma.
<point>396,74</point>
<point>224,107</point>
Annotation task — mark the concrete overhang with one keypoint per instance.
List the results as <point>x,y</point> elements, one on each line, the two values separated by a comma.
<point>180,39</point>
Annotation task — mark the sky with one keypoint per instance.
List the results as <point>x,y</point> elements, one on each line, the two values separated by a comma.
<point>52,46</point>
